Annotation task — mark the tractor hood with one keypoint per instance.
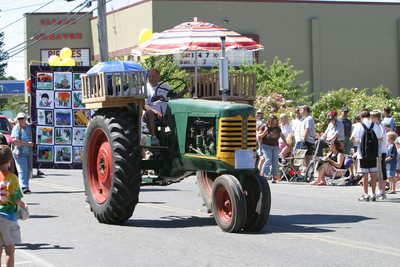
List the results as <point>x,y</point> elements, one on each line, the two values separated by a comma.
<point>198,107</point>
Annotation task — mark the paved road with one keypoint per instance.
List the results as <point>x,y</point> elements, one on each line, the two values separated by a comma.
<point>308,226</point>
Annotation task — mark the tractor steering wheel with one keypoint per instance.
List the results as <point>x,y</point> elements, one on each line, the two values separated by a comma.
<point>171,92</point>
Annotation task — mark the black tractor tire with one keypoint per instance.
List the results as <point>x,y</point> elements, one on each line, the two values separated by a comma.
<point>229,203</point>
<point>205,182</point>
<point>111,165</point>
<point>310,172</point>
<point>258,201</point>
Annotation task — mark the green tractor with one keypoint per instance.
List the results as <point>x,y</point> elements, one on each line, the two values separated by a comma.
<point>215,140</point>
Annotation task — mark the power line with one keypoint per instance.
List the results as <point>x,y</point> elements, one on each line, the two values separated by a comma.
<point>46,35</point>
<point>23,17</point>
<point>51,29</point>
<point>18,8</point>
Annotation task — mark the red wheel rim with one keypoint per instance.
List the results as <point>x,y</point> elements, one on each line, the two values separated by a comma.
<point>224,204</point>
<point>99,165</point>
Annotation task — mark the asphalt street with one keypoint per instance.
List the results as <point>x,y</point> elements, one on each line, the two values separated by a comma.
<point>308,226</point>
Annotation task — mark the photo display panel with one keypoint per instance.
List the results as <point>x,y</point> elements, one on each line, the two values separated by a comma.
<point>58,116</point>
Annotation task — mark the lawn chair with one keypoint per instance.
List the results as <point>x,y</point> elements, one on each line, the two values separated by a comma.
<point>338,176</point>
<point>293,165</point>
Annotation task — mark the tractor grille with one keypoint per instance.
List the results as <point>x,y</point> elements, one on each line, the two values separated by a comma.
<point>235,134</point>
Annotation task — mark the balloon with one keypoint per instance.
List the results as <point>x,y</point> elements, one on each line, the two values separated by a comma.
<point>144,35</point>
<point>66,52</point>
<point>67,62</point>
<point>53,60</point>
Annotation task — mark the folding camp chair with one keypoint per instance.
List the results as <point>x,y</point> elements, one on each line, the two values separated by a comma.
<point>293,165</point>
<point>338,175</point>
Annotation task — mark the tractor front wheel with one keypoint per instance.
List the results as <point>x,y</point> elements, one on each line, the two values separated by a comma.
<point>111,165</point>
<point>258,201</point>
<point>229,203</point>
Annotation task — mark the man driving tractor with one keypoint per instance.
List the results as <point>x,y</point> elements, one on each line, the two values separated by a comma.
<point>156,104</point>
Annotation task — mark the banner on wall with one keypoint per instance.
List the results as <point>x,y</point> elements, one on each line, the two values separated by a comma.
<point>58,116</point>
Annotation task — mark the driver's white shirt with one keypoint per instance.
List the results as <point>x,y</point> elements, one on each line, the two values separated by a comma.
<point>160,106</point>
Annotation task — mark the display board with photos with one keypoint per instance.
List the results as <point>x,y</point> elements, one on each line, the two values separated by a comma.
<point>58,116</point>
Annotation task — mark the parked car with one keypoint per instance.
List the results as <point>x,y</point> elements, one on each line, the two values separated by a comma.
<point>5,127</point>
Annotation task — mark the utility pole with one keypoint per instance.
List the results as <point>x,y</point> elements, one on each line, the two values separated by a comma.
<point>102,30</point>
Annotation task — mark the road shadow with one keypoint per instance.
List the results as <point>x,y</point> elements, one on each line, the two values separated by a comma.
<point>158,189</point>
<point>172,222</point>
<point>307,223</point>
<point>151,202</point>
<point>392,198</point>
<point>41,216</point>
<point>29,246</point>
<point>57,192</point>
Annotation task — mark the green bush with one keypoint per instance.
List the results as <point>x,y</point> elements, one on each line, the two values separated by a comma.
<point>355,100</point>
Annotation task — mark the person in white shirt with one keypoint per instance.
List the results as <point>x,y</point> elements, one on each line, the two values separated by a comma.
<point>156,106</point>
<point>334,131</point>
<point>381,175</point>
<point>286,130</point>
<point>307,132</point>
<point>296,126</point>
<point>365,166</point>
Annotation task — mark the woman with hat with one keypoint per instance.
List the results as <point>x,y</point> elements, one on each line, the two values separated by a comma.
<point>22,144</point>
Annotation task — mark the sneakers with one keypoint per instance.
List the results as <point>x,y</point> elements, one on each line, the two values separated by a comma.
<point>364,198</point>
<point>381,196</point>
<point>26,190</point>
<point>373,197</point>
<point>154,141</point>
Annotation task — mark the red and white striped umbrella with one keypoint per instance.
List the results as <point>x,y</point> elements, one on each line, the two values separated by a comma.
<point>194,36</point>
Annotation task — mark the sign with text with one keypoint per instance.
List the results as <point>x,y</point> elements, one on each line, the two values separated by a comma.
<point>210,58</point>
<point>80,55</point>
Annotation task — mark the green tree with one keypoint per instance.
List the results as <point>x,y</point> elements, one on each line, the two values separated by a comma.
<point>168,69</point>
<point>280,78</point>
<point>355,100</point>
<point>3,56</point>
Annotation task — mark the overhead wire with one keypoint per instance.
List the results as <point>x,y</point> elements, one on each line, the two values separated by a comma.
<point>18,8</point>
<point>46,35</point>
<point>23,17</point>
<point>49,30</point>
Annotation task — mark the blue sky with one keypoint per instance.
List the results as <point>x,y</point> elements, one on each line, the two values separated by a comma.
<point>12,12</point>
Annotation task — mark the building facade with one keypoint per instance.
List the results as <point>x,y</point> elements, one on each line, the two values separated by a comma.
<point>47,33</point>
<point>336,43</point>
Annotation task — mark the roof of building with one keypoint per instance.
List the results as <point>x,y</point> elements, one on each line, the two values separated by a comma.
<point>12,87</point>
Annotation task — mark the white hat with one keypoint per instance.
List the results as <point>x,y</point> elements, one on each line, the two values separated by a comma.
<point>259,111</point>
<point>21,115</point>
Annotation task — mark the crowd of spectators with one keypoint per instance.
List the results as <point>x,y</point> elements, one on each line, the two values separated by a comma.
<point>343,138</point>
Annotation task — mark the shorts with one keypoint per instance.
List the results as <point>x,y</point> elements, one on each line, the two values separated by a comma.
<point>380,167</point>
<point>308,146</point>
<point>330,171</point>
<point>367,166</point>
<point>390,173</point>
<point>9,232</point>
<point>259,151</point>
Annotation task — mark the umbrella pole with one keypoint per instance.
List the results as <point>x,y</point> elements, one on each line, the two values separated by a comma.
<point>195,74</point>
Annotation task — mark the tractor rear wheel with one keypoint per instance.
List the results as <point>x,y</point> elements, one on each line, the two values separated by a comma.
<point>229,203</point>
<point>111,165</point>
<point>205,181</point>
<point>258,201</point>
